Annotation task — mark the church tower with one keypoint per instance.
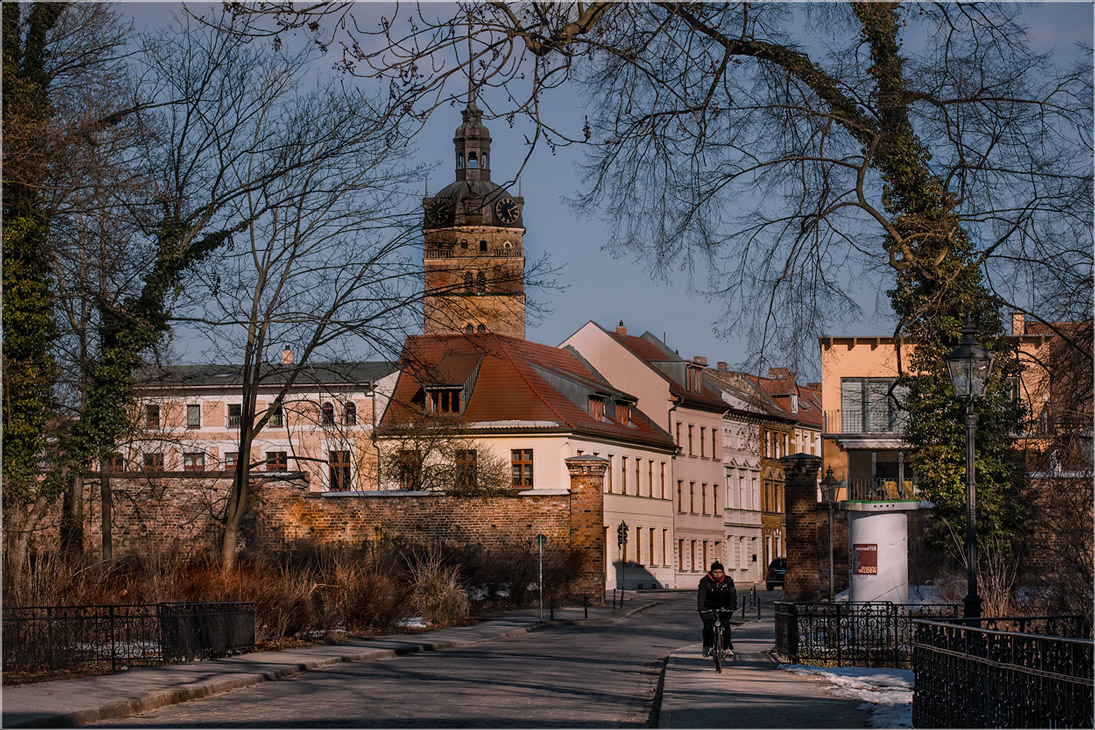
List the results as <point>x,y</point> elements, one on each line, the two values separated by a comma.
<point>474,254</point>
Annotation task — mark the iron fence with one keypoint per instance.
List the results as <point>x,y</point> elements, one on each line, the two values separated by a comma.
<point>97,638</point>
<point>980,677</point>
<point>869,634</point>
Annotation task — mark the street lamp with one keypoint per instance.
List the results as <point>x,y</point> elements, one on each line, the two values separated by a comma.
<point>621,539</point>
<point>829,486</point>
<point>969,365</point>
<point>541,540</point>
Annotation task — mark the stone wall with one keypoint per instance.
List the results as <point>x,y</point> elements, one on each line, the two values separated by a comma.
<point>173,510</point>
<point>288,515</point>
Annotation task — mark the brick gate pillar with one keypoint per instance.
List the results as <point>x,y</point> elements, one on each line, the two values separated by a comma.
<point>587,532</point>
<point>800,497</point>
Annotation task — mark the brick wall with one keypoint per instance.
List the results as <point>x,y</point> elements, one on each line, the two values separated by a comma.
<point>287,514</point>
<point>802,579</point>
<point>177,509</point>
<point>586,520</point>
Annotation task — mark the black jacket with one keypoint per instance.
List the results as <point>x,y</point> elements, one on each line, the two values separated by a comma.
<point>716,595</point>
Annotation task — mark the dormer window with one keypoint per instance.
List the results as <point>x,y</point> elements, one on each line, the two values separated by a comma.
<point>794,403</point>
<point>444,400</point>
<point>623,412</point>
<point>597,408</point>
<point>695,378</point>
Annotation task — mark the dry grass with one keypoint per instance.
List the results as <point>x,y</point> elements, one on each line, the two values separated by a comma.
<point>308,593</point>
<point>437,594</point>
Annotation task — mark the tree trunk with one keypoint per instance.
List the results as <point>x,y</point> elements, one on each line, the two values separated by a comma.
<point>238,500</point>
<point>20,523</point>
<point>72,517</point>
<point>106,498</point>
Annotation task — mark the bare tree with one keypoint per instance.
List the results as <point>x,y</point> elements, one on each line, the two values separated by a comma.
<point>437,454</point>
<point>782,149</point>
<point>325,260</point>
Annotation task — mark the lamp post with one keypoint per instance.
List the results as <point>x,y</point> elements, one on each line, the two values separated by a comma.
<point>621,539</point>
<point>969,366</point>
<point>541,540</point>
<point>829,485</point>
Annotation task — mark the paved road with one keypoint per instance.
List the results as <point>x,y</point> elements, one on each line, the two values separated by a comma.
<point>579,676</point>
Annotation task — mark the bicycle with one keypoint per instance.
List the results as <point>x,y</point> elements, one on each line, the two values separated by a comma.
<point>720,647</point>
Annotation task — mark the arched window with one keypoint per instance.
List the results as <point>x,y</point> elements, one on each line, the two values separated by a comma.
<point>485,161</point>
<point>473,162</point>
<point>349,414</point>
<point>481,283</point>
<point>460,162</point>
<point>469,329</point>
<point>328,414</point>
<point>507,246</point>
<point>483,246</point>
<point>482,329</point>
<point>464,244</point>
<point>469,283</point>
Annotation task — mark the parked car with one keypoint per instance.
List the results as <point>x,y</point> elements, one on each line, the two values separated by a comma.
<point>776,570</point>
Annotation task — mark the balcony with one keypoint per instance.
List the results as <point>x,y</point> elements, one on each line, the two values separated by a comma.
<point>450,253</point>
<point>879,489</point>
<point>881,421</point>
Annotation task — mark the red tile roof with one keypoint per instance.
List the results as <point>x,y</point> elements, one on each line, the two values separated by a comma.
<point>519,386</point>
<point>653,351</point>
<point>782,386</point>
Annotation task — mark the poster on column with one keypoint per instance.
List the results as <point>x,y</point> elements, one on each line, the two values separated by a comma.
<point>865,559</point>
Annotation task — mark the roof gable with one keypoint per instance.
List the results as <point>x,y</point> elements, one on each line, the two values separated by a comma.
<point>517,382</point>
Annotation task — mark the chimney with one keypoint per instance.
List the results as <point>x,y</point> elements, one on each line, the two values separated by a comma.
<point>814,386</point>
<point>778,373</point>
<point>700,360</point>
<point>287,356</point>
<point>722,366</point>
<point>621,330</point>
<point>1018,323</point>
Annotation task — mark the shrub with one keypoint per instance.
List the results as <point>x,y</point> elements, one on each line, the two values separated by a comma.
<point>436,591</point>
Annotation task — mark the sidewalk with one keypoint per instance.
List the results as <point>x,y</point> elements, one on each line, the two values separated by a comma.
<point>751,692</point>
<point>69,702</point>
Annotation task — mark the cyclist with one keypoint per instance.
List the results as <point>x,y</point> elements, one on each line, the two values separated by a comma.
<point>716,592</point>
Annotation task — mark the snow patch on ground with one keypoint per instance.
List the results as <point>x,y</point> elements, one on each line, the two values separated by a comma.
<point>886,693</point>
<point>415,622</point>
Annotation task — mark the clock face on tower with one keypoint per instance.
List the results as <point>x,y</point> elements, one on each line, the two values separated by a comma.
<point>435,212</point>
<point>507,210</point>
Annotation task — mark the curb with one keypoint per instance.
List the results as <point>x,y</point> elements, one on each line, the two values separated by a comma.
<point>227,683</point>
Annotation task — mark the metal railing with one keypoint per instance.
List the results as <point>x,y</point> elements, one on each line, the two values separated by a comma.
<point>876,421</point>
<point>50,638</point>
<point>870,634</point>
<point>979,677</point>
<point>450,253</point>
<point>879,489</point>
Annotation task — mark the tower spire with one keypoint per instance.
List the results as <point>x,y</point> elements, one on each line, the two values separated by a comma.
<point>472,140</point>
<point>471,70</point>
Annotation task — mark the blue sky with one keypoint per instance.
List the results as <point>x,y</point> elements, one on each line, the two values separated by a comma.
<point>605,289</point>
